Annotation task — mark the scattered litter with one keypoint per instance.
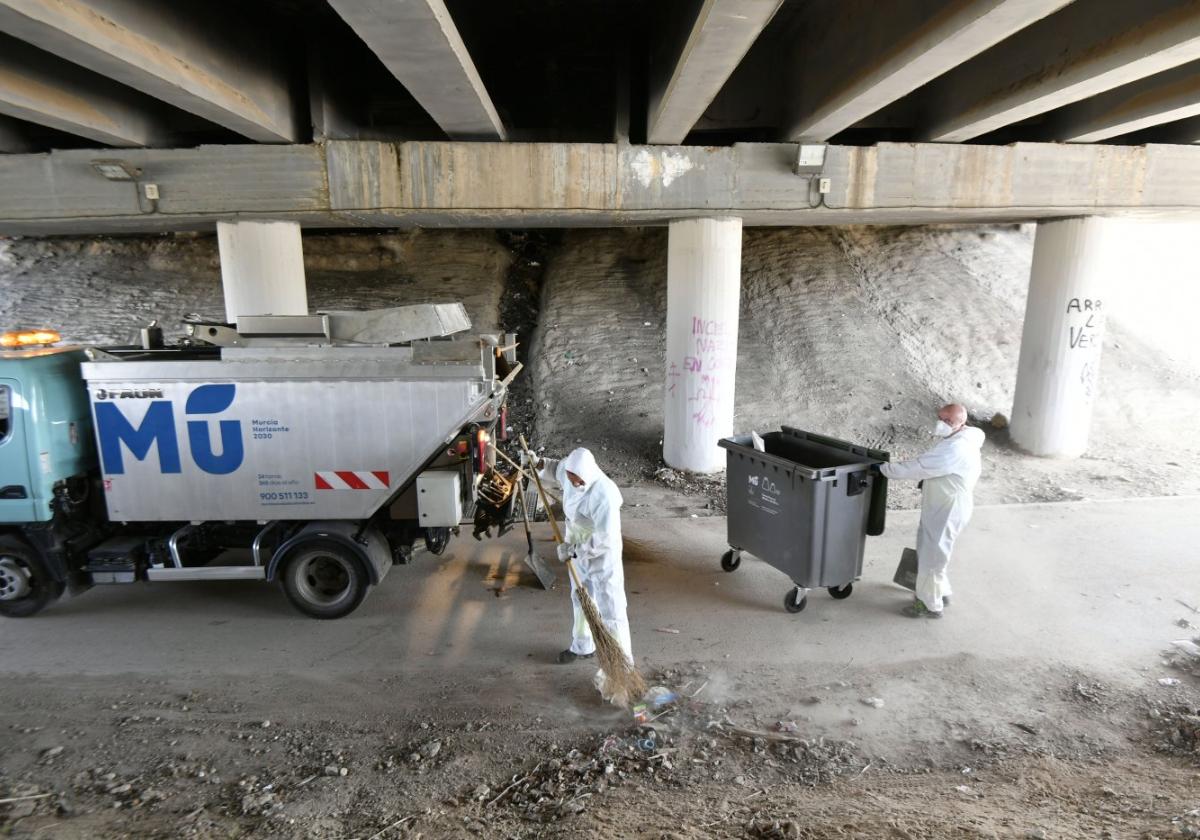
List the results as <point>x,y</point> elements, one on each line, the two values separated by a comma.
<point>670,630</point>
<point>1169,682</point>
<point>873,702</point>
<point>786,726</point>
<point>1187,646</point>
<point>963,788</point>
<point>659,696</point>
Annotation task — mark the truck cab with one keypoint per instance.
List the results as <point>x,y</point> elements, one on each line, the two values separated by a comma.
<point>45,430</point>
<point>46,448</point>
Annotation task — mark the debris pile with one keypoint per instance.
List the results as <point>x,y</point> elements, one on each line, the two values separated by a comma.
<point>1188,825</point>
<point>695,484</point>
<point>561,786</point>
<point>1089,692</point>
<point>676,740</point>
<point>1184,655</point>
<point>773,829</point>
<point>1176,730</point>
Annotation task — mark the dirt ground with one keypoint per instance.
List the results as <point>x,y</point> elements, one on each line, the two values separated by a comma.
<point>1036,708</point>
<point>153,758</point>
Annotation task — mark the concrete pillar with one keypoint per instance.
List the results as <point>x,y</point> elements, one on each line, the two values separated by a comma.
<point>704,271</point>
<point>262,269</point>
<point>1059,369</point>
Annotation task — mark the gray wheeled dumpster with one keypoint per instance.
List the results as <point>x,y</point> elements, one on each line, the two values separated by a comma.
<point>805,506</point>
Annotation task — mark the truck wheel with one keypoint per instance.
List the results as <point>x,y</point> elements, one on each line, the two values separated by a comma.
<point>436,539</point>
<point>325,579</point>
<point>26,585</point>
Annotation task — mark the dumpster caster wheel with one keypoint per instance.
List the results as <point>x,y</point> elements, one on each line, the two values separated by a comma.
<point>840,592</point>
<point>730,560</point>
<point>795,601</point>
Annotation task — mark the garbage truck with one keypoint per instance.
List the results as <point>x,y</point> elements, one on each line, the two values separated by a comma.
<point>312,450</point>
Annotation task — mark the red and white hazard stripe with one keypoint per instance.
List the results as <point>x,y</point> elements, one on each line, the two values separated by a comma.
<point>351,480</point>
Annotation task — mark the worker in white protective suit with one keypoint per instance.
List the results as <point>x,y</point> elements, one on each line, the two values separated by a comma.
<point>592,504</point>
<point>948,473</point>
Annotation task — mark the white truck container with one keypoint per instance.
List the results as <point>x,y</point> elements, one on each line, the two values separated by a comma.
<point>311,449</point>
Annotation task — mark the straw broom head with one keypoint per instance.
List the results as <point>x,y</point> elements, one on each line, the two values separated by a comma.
<point>623,684</point>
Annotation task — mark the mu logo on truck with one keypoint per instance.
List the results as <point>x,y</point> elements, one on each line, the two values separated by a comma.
<point>116,433</point>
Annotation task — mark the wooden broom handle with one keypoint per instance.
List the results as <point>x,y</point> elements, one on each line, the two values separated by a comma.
<point>541,491</point>
<point>549,513</point>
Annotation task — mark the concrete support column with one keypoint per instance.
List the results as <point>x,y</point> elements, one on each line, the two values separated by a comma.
<point>704,272</point>
<point>262,269</point>
<point>1059,369</point>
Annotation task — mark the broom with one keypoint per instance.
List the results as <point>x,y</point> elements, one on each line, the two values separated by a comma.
<point>623,684</point>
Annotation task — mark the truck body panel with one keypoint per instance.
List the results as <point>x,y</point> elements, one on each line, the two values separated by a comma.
<point>188,441</point>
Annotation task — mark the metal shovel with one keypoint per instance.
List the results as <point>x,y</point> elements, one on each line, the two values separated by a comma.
<point>545,574</point>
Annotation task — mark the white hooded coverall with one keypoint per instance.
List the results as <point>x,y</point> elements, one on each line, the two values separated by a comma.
<point>593,530</point>
<point>950,471</point>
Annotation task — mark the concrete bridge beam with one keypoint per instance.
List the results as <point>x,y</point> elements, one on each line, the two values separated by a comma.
<point>717,35</point>
<point>1165,97</point>
<point>857,61</point>
<point>206,63</point>
<point>1089,47</point>
<point>40,88</point>
<point>420,45</point>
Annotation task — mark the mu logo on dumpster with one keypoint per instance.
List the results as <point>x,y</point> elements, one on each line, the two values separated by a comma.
<point>764,484</point>
<point>116,433</point>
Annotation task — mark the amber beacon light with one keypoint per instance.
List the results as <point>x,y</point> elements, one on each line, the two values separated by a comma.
<point>29,338</point>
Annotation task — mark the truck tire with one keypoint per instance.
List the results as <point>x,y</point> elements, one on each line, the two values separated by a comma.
<point>324,578</point>
<point>436,540</point>
<point>26,585</point>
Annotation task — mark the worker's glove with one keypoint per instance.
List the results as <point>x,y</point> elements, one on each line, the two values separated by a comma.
<point>876,469</point>
<point>565,552</point>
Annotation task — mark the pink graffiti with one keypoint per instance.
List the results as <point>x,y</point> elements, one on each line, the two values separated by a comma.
<point>701,326</point>
<point>702,384</point>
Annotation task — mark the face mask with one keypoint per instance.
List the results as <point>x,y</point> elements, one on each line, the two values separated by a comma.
<point>942,429</point>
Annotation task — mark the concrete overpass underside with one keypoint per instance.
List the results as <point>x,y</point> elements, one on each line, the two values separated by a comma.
<point>127,116</point>
<point>349,184</point>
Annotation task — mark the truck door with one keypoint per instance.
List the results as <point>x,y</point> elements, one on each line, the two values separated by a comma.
<point>16,488</point>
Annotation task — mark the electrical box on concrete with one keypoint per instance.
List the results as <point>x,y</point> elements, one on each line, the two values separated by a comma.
<point>824,186</point>
<point>439,499</point>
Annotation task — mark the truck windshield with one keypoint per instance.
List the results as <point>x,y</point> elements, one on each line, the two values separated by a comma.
<point>5,411</point>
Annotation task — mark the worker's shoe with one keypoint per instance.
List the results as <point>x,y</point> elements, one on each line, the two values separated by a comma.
<point>917,609</point>
<point>568,656</point>
<point>945,601</point>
